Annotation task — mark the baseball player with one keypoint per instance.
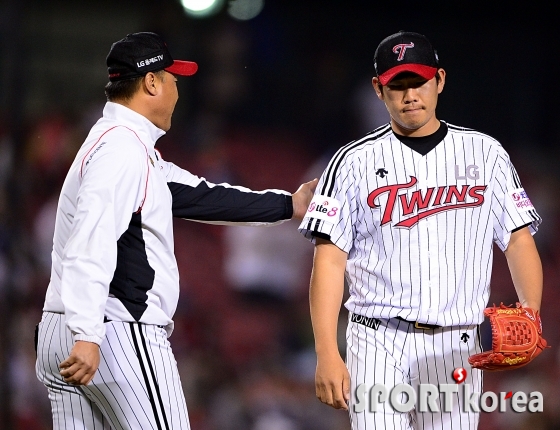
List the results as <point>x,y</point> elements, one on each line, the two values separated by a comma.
<point>102,346</point>
<point>408,215</point>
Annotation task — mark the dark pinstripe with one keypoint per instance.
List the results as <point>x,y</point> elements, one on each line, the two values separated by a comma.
<point>120,397</point>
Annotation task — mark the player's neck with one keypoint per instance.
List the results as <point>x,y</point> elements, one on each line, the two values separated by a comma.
<point>425,130</point>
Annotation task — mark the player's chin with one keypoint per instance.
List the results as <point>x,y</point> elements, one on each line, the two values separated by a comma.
<point>413,122</point>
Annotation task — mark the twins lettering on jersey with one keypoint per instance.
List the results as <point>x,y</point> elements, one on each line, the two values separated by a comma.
<point>422,204</point>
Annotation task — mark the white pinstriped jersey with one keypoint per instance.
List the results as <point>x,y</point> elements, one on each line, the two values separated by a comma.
<point>418,229</point>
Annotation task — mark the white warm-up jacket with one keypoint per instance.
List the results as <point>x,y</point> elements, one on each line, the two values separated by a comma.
<point>112,255</point>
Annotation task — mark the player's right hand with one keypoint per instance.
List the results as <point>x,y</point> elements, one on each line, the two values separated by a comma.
<point>332,381</point>
<point>82,363</point>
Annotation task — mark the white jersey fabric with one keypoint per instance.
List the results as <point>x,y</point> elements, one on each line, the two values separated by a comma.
<point>394,352</point>
<point>418,229</point>
<point>113,255</point>
<point>136,386</point>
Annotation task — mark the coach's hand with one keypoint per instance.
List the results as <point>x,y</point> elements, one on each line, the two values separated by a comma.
<point>82,363</point>
<point>302,197</point>
<point>332,381</point>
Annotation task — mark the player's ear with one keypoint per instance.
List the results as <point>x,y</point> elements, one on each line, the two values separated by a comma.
<point>441,80</point>
<point>377,87</point>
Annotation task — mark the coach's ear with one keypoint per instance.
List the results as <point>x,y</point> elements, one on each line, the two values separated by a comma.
<point>378,87</point>
<point>151,84</point>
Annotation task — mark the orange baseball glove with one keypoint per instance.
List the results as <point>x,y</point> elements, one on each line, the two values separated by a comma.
<point>516,338</point>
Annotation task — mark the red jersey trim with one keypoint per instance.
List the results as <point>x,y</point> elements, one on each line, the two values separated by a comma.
<point>147,158</point>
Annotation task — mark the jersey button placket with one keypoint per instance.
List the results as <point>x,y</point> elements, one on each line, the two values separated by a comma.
<point>432,233</point>
<point>422,226</point>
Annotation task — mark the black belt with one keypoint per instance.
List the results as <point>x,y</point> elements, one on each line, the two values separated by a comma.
<point>419,325</point>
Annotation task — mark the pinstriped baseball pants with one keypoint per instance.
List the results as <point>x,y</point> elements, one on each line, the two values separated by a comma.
<point>137,385</point>
<point>398,353</point>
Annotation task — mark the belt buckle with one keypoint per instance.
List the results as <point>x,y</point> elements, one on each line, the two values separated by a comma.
<point>422,326</point>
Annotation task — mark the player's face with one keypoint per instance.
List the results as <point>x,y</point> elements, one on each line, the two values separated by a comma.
<point>411,101</point>
<point>168,97</point>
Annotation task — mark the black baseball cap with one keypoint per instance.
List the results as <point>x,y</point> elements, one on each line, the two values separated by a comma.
<point>405,51</point>
<point>140,53</point>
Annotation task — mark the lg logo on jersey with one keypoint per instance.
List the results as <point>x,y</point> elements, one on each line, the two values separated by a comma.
<point>421,204</point>
<point>471,172</point>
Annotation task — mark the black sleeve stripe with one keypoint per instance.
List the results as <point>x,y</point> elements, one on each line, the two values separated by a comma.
<point>534,215</point>
<point>512,173</point>
<point>342,152</point>
<point>219,203</point>
<point>515,176</point>
<point>520,227</point>
<point>309,224</point>
<point>339,155</point>
<point>317,225</point>
<point>321,235</point>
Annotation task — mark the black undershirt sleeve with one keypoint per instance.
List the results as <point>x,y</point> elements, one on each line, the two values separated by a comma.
<point>219,203</point>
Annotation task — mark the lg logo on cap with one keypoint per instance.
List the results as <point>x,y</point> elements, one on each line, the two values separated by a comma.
<point>149,61</point>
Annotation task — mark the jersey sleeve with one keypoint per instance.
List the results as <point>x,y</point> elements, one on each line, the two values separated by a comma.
<point>197,199</point>
<point>511,206</point>
<point>112,187</point>
<point>329,213</point>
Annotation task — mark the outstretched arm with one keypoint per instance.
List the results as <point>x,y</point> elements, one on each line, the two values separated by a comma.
<point>525,267</point>
<point>197,199</point>
<point>332,380</point>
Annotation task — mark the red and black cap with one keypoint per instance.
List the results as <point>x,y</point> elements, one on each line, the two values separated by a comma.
<point>405,51</point>
<point>140,53</point>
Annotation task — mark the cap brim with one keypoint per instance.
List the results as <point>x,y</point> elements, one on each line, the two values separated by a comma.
<point>426,72</point>
<point>183,68</point>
